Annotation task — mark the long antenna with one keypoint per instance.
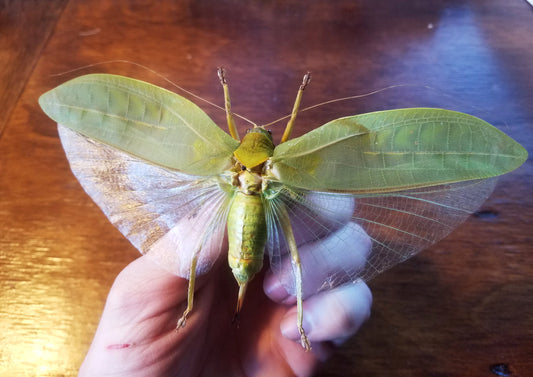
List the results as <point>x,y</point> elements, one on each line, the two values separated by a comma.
<point>180,88</point>
<point>357,97</point>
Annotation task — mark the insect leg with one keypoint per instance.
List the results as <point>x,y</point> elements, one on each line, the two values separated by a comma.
<point>290,123</point>
<point>289,237</point>
<point>227,104</point>
<point>190,292</point>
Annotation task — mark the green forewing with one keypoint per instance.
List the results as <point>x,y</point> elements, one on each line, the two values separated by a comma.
<point>142,119</point>
<point>394,150</point>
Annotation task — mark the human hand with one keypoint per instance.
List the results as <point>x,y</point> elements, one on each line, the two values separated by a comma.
<point>136,335</point>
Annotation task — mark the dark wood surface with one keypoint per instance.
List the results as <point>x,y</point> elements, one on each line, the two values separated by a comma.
<point>456,309</point>
<point>25,27</point>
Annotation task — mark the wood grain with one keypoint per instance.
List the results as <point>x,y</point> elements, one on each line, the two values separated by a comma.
<point>25,26</point>
<point>457,309</point>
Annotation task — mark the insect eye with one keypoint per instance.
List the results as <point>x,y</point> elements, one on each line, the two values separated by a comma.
<point>270,132</point>
<point>243,167</point>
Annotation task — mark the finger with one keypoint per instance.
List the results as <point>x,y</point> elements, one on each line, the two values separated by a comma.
<point>142,290</point>
<point>317,215</point>
<point>325,264</point>
<point>199,230</point>
<point>332,316</point>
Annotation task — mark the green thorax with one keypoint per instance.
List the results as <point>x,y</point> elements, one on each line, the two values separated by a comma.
<point>256,147</point>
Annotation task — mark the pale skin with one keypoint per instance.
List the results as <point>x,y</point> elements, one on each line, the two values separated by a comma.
<point>137,337</point>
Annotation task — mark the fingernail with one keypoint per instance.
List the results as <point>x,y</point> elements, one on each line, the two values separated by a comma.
<point>274,289</point>
<point>289,329</point>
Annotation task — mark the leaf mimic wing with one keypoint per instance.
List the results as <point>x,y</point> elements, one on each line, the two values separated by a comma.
<point>347,237</point>
<point>395,150</point>
<point>142,119</point>
<point>164,213</point>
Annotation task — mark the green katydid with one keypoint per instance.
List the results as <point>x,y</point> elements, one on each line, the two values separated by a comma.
<point>402,179</point>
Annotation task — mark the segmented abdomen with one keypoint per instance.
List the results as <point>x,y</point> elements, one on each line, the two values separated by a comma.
<point>247,235</point>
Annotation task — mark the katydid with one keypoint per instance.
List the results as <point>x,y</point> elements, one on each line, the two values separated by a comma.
<point>402,179</point>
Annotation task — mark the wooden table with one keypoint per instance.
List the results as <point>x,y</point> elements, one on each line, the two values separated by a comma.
<point>457,309</point>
